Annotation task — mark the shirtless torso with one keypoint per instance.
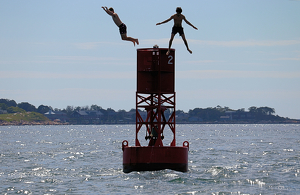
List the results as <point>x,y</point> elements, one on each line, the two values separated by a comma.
<point>116,19</point>
<point>178,19</point>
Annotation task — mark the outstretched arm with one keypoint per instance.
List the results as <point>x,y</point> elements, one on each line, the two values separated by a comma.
<point>107,11</point>
<point>165,21</point>
<point>189,23</point>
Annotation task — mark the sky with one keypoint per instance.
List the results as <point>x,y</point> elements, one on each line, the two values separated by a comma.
<point>69,53</point>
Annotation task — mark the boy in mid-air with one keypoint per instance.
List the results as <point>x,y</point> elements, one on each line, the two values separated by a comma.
<point>177,28</point>
<point>121,25</point>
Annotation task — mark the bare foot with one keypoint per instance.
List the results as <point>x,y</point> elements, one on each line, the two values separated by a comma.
<point>135,41</point>
<point>190,51</point>
<point>168,52</point>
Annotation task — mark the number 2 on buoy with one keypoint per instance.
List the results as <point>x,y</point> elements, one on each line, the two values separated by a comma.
<point>170,59</point>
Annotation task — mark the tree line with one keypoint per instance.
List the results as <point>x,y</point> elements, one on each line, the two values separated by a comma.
<point>253,114</point>
<point>196,115</point>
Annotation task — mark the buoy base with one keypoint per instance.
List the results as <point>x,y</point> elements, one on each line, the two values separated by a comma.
<point>151,158</point>
<point>127,168</point>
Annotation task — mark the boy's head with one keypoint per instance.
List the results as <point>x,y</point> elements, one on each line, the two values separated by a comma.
<point>178,10</point>
<point>111,9</point>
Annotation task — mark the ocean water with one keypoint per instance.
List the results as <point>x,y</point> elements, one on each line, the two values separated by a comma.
<point>223,159</point>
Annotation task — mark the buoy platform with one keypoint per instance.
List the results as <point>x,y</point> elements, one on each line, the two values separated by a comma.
<point>155,95</point>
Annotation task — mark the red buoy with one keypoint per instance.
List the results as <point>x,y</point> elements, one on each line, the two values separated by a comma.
<point>155,94</point>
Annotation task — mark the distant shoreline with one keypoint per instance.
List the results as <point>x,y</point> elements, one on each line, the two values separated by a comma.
<point>24,123</point>
<point>35,123</point>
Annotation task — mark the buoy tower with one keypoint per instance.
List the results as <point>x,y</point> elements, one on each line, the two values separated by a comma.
<point>155,94</point>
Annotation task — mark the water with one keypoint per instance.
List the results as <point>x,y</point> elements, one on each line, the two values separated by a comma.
<point>223,159</point>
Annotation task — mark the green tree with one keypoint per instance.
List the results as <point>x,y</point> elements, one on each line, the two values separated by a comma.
<point>8,102</point>
<point>207,114</point>
<point>43,109</point>
<point>3,106</point>
<point>15,110</point>
<point>120,114</point>
<point>266,110</point>
<point>69,110</point>
<point>263,113</point>
<point>252,109</point>
<point>27,107</point>
<point>96,107</point>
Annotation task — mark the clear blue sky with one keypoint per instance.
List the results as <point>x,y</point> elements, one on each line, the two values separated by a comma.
<point>69,53</point>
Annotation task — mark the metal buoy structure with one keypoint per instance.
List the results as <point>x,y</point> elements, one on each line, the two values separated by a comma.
<point>155,94</point>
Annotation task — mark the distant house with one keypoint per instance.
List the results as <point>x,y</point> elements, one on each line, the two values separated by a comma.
<point>237,116</point>
<point>86,117</point>
<point>87,114</point>
<point>225,118</point>
<point>56,115</point>
<point>79,114</point>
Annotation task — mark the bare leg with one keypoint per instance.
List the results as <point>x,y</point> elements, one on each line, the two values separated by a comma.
<point>125,38</point>
<point>170,43</point>
<point>185,42</point>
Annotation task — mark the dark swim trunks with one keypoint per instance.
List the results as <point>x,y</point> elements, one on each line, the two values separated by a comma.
<point>177,29</point>
<point>122,28</point>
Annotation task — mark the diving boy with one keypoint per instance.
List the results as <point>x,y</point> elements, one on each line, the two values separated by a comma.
<point>121,25</point>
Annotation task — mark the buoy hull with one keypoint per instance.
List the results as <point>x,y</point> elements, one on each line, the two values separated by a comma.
<point>151,158</point>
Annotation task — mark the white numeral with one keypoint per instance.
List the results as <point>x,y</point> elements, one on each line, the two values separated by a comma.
<point>170,60</point>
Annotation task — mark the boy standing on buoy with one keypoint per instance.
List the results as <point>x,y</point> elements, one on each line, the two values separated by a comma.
<point>177,28</point>
<point>121,25</point>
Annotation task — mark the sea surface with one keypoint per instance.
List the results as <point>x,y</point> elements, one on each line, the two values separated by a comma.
<point>223,159</point>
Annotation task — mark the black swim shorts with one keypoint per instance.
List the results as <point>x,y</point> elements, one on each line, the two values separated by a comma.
<point>177,29</point>
<point>122,28</point>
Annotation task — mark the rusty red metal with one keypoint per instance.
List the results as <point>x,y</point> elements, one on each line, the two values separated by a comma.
<point>152,158</point>
<point>155,95</point>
